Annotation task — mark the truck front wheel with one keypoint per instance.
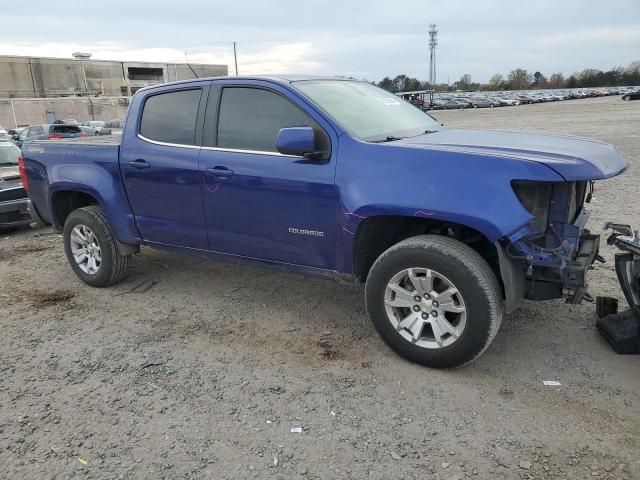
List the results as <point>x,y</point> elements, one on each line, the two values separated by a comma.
<point>434,301</point>
<point>91,248</point>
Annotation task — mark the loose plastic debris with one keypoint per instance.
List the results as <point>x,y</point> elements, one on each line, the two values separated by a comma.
<point>296,426</point>
<point>551,383</point>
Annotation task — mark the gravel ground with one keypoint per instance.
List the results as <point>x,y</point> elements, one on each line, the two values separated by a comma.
<point>201,374</point>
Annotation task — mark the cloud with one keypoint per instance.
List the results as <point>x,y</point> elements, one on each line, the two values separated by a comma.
<point>360,38</point>
<point>288,58</point>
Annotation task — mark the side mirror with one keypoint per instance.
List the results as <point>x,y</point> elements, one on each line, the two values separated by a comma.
<point>299,141</point>
<point>14,137</point>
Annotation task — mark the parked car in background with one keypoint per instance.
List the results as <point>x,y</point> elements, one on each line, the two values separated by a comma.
<point>453,104</point>
<point>14,132</point>
<point>631,96</point>
<point>483,103</point>
<point>92,128</point>
<point>13,197</point>
<point>47,132</point>
<point>69,121</point>
<point>113,127</point>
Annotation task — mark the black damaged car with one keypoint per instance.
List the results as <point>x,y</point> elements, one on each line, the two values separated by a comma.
<point>14,200</point>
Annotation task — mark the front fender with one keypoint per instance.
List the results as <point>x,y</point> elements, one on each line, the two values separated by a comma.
<point>383,179</point>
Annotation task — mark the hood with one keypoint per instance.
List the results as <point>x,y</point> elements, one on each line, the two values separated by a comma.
<point>9,177</point>
<point>574,158</point>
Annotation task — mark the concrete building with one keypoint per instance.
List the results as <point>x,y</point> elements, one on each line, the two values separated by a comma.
<point>34,77</point>
<point>40,90</point>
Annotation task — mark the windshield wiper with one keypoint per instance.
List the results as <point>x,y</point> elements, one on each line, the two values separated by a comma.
<point>390,138</point>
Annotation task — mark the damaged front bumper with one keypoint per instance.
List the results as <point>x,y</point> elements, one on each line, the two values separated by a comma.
<point>547,276</point>
<point>549,259</point>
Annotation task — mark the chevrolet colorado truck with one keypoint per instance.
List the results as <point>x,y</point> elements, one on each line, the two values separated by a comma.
<point>447,228</point>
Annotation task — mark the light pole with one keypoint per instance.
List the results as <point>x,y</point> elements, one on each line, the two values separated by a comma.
<point>235,57</point>
<point>82,56</point>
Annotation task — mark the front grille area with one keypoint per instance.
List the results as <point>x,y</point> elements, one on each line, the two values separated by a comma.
<point>12,194</point>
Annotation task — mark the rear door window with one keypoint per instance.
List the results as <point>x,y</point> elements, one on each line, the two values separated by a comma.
<point>171,117</point>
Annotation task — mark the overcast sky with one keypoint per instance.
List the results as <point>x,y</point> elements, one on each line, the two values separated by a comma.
<point>361,38</point>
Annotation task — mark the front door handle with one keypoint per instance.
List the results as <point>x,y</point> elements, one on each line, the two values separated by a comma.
<point>219,172</point>
<point>139,163</point>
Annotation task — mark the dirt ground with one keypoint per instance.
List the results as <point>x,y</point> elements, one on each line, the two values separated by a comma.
<point>195,369</point>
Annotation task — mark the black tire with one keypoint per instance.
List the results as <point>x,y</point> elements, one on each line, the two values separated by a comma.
<point>626,98</point>
<point>471,275</point>
<point>113,265</point>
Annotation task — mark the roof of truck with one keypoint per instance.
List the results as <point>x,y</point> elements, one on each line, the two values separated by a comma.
<point>272,78</point>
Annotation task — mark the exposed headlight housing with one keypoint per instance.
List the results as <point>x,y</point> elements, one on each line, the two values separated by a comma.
<point>534,197</point>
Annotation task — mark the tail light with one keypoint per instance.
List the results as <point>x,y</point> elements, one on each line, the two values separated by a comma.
<point>23,173</point>
<point>54,136</point>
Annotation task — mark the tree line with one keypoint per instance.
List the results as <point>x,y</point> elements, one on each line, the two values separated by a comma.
<point>521,79</point>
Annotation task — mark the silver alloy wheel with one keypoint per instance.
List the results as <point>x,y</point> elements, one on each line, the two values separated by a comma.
<point>425,308</point>
<point>85,249</point>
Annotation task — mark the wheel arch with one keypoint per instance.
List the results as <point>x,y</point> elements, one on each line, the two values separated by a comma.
<point>65,200</point>
<point>375,234</point>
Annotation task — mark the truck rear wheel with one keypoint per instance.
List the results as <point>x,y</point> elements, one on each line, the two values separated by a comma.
<point>434,301</point>
<point>91,248</point>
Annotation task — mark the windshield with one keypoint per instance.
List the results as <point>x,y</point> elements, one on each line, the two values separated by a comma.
<point>9,154</point>
<point>367,112</point>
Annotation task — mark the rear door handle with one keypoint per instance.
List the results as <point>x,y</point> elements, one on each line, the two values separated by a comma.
<point>219,172</point>
<point>139,163</point>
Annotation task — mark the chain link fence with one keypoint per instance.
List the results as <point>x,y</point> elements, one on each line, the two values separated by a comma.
<point>19,112</point>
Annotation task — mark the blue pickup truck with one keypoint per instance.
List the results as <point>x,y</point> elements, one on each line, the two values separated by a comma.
<point>447,228</point>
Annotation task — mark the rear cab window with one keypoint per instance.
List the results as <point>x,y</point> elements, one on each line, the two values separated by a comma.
<point>65,129</point>
<point>171,117</point>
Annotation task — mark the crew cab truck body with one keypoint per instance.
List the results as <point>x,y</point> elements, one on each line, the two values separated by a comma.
<point>334,177</point>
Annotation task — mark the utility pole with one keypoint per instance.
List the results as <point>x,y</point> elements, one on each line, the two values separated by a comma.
<point>13,111</point>
<point>235,57</point>
<point>433,43</point>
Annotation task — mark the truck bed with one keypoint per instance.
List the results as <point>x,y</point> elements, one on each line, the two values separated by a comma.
<point>99,140</point>
<point>88,164</point>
